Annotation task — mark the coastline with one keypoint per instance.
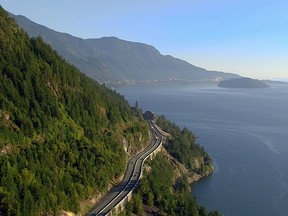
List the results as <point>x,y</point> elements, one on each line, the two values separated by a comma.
<point>180,173</point>
<point>180,170</point>
<point>171,174</point>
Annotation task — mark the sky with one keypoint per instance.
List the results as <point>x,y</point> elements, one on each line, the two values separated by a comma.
<point>247,37</point>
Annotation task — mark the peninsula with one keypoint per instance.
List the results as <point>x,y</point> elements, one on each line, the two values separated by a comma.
<point>242,83</point>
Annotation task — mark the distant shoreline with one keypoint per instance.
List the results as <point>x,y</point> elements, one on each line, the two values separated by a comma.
<point>115,84</point>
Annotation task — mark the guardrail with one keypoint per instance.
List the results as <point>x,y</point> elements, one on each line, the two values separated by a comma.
<point>124,198</point>
<point>121,204</point>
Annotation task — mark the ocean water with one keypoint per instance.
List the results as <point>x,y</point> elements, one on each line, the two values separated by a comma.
<point>245,131</point>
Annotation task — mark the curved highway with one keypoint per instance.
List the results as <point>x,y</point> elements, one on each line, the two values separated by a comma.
<point>131,178</point>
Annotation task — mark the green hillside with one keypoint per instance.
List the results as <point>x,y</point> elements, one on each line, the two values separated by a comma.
<point>62,135</point>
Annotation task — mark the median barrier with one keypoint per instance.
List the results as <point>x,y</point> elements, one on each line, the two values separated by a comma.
<point>121,204</point>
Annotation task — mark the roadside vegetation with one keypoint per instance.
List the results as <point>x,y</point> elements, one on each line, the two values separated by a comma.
<point>160,189</point>
<point>183,147</point>
<point>157,189</point>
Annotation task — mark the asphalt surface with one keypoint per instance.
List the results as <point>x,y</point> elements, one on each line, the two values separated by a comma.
<point>131,177</point>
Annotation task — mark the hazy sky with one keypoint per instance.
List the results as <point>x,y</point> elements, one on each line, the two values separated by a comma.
<point>248,37</point>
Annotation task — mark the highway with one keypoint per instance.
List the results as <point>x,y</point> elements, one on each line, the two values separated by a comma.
<point>131,177</point>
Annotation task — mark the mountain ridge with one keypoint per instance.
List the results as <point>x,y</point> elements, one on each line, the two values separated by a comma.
<point>110,59</point>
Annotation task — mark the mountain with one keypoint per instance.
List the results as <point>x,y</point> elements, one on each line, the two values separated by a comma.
<point>110,59</point>
<point>242,83</point>
<point>63,136</point>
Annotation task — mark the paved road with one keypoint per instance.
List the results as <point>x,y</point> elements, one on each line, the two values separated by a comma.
<point>131,178</point>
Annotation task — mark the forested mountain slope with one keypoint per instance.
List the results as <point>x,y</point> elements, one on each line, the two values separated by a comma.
<point>111,59</point>
<point>62,135</point>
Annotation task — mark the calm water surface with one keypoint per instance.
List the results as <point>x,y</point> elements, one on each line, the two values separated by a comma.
<point>246,133</point>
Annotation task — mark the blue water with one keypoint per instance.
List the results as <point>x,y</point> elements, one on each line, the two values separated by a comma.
<point>246,133</point>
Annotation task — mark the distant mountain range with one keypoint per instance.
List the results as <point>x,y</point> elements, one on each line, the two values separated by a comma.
<point>110,59</point>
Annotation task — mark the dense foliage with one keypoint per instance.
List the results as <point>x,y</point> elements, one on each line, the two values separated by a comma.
<point>61,133</point>
<point>157,189</point>
<point>182,146</point>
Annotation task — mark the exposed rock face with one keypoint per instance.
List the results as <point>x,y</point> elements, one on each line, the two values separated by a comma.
<point>6,150</point>
<point>242,83</point>
<point>180,169</point>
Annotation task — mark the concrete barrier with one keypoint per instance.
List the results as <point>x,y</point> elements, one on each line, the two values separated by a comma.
<point>121,205</point>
